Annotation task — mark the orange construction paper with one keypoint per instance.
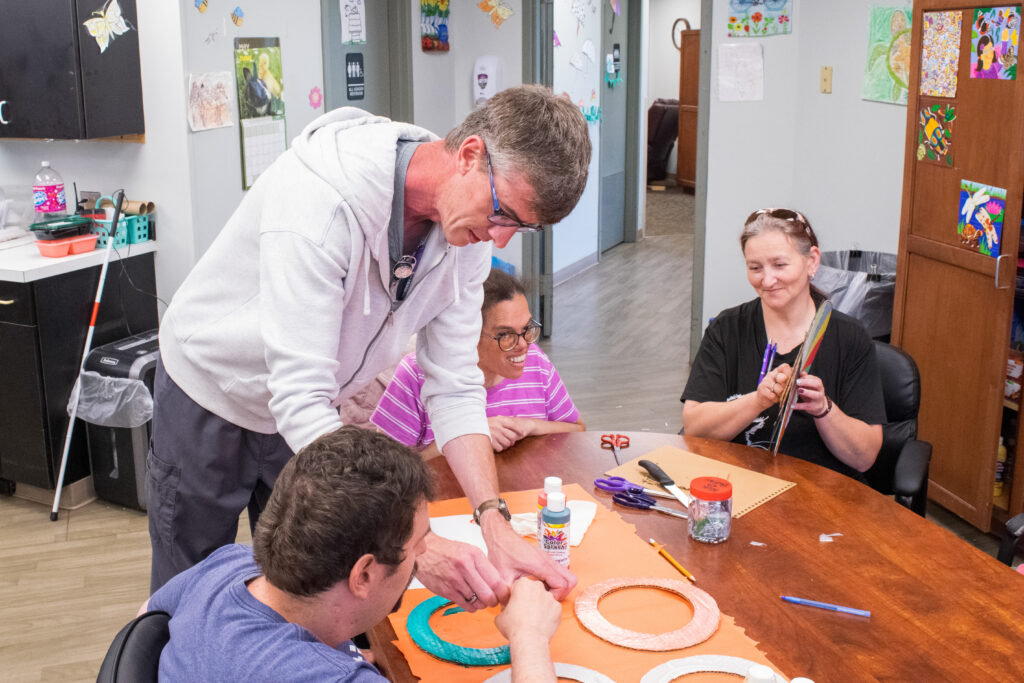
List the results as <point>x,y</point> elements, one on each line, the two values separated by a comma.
<point>610,549</point>
<point>749,488</point>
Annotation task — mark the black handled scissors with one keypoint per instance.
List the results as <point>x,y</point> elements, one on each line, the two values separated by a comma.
<point>641,501</point>
<point>615,442</point>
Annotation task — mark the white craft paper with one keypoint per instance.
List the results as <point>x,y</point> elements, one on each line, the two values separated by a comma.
<point>353,22</point>
<point>576,61</point>
<point>827,538</point>
<point>589,50</point>
<point>462,528</point>
<point>740,72</point>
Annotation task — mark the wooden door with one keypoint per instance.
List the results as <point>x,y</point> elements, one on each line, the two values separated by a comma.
<point>953,304</point>
<point>689,78</point>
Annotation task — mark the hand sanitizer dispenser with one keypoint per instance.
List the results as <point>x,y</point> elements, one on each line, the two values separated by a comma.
<point>486,78</point>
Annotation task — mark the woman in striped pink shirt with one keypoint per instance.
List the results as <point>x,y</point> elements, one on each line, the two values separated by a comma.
<point>525,395</point>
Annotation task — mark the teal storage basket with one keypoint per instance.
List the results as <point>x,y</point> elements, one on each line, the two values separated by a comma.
<point>130,230</point>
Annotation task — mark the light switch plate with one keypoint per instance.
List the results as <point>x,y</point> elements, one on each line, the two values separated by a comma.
<point>826,80</point>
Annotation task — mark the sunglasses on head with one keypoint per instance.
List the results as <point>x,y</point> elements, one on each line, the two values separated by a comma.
<point>782,214</point>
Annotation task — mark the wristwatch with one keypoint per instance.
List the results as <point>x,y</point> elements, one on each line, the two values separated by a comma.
<point>493,503</point>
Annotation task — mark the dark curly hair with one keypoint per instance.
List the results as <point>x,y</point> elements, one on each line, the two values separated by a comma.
<point>349,493</point>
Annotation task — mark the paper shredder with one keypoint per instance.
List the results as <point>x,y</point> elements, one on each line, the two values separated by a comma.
<point>118,455</point>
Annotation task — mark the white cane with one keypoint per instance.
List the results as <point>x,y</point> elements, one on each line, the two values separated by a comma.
<point>111,233</point>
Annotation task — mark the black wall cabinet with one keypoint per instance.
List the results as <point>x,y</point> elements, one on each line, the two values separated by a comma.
<point>54,80</point>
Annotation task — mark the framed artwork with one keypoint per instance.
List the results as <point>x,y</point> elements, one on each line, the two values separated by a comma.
<point>935,133</point>
<point>980,225</point>
<point>994,43</point>
<point>940,53</point>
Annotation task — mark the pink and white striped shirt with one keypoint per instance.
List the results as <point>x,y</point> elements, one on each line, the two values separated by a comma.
<point>538,393</point>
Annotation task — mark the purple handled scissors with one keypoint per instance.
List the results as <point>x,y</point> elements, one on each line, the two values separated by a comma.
<point>622,485</point>
<point>643,502</point>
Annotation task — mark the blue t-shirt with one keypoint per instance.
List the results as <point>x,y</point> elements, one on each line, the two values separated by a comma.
<point>220,632</point>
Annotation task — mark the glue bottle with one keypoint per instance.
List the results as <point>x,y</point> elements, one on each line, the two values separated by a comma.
<point>551,484</point>
<point>554,539</point>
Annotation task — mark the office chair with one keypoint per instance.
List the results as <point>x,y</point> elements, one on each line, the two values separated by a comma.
<point>902,465</point>
<point>1011,538</point>
<point>134,656</point>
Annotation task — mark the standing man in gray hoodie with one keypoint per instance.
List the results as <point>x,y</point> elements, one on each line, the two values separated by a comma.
<point>363,233</point>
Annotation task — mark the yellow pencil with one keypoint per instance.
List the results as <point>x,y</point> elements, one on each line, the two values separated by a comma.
<point>671,560</point>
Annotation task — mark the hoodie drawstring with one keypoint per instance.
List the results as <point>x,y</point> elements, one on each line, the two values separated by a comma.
<point>366,286</point>
<point>455,278</point>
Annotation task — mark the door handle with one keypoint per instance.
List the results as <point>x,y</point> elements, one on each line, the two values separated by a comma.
<point>999,260</point>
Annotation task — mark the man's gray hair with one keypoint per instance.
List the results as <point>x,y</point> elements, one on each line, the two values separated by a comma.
<point>530,130</point>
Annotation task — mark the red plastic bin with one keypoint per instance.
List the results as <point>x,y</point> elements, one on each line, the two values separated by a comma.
<point>79,244</point>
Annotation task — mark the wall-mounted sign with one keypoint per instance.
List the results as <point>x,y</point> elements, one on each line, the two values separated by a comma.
<point>354,76</point>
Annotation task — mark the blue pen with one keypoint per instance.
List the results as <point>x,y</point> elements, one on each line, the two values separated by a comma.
<point>768,350</point>
<point>826,605</point>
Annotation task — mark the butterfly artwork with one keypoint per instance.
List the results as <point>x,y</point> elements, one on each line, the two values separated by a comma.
<point>498,9</point>
<point>108,23</point>
<point>982,209</point>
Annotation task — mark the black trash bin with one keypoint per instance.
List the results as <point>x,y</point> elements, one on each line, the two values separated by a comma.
<point>861,284</point>
<point>116,404</point>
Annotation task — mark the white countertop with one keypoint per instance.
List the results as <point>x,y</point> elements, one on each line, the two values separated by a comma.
<point>24,263</point>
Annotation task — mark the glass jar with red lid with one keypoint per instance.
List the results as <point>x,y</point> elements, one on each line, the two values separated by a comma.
<point>710,510</point>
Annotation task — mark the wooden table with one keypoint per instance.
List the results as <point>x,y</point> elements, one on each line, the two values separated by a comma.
<point>941,609</point>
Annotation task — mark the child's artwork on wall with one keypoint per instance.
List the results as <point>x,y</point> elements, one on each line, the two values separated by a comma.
<point>760,18</point>
<point>935,133</point>
<point>980,225</point>
<point>209,100</point>
<point>498,9</point>
<point>434,25</point>
<point>940,53</point>
<point>994,42</point>
<point>887,69</point>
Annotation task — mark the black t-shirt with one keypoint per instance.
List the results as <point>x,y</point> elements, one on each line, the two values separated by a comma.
<point>729,362</point>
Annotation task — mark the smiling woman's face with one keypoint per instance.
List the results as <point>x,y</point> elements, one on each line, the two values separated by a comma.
<point>512,315</point>
<point>777,270</point>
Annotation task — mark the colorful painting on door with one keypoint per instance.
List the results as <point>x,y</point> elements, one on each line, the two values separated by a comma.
<point>887,68</point>
<point>940,54</point>
<point>980,224</point>
<point>935,133</point>
<point>760,18</point>
<point>994,43</point>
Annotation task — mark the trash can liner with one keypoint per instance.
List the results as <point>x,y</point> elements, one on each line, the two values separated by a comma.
<point>861,284</point>
<point>112,401</point>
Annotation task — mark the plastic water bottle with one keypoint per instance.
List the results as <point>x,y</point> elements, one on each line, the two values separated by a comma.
<point>48,193</point>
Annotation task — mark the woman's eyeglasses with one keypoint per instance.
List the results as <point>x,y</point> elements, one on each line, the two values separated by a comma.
<point>509,340</point>
<point>502,218</point>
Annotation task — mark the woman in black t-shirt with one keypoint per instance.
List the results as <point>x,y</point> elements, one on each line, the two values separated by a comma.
<point>839,410</point>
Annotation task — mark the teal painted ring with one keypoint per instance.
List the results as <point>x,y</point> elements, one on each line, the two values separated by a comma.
<point>418,626</point>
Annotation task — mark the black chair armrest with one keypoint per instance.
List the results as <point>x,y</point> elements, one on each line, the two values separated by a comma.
<point>1012,535</point>
<point>910,479</point>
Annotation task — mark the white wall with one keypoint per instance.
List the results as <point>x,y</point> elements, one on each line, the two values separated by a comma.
<point>835,157</point>
<point>215,155</point>
<point>663,57</point>
<point>442,81</point>
<point>575,238</point>
<point>156,171</point>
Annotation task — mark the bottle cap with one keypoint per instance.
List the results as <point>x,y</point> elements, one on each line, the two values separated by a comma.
<point>556,501</point>
<point>711,488</point>
<point>552,484</point>
<point>46,164</point>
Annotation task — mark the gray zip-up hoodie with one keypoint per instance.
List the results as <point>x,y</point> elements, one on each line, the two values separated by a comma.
<point>290,311</point>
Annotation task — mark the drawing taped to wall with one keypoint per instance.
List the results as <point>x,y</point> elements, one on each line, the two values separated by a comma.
<point>353,26</point>
<point>980,225</point>
<point>935,133</point>
<point>887,68</point>
<point>434,25</point>
<point>209,100</point>
<point>994,34</point>
<point>760,18</point>
<point>498,9</point>
<point>940,53</point>
<point>106,24</point>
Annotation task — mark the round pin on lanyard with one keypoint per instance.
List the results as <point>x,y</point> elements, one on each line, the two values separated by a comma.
<point>405,267</point>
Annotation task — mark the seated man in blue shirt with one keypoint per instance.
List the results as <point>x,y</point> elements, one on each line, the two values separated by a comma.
<point>332,555</point>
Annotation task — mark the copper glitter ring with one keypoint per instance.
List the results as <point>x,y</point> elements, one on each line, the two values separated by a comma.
<point>704,622</point>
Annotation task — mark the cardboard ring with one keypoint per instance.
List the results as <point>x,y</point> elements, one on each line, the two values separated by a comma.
<point>569,671</point>
<point>704,622</point>
<point>418,626</point>
<point>673,669</point>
